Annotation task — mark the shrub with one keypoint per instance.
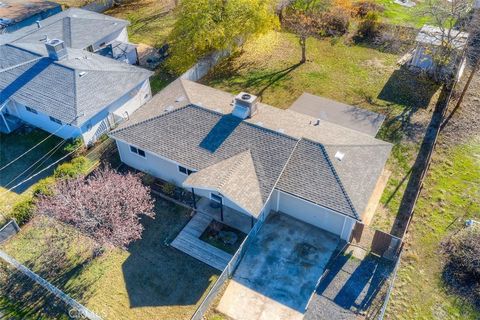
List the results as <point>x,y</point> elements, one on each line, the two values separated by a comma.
<point>362,8</point>
<point>168,188</point>
<point>335,22</point>
<point>148,179</point>
<point>77,146</point>
<point>72,169</point>
<point>23,211</point>
<point>369,26</point>
<point>44,187</point>
<point>462,267</point>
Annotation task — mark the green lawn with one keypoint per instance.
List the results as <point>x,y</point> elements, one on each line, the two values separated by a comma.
<point>151,20</point>
<point>12,146</point>
<point>149,281</point>
<point>397,14</point>
<point>449,197</point>
<point>353,74</point>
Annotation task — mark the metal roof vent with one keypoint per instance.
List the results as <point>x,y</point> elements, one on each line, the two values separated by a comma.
<point>339,155</point>
<point>169,108</point>
<point>315,122</point>
<point>39,25</point>
<point>245,105</point>
<point>82,73</point>
<point>56,49</point>
<point>180,99</point>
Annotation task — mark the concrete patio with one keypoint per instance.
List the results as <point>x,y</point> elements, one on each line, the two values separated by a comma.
<point>279,272</point>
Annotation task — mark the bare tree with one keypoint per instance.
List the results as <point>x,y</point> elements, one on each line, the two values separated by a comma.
<point>451,21</point>
<point>303,24</point>
<point>105,206</point>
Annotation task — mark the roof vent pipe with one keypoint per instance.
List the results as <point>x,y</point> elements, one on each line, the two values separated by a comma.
<point>38,24</point>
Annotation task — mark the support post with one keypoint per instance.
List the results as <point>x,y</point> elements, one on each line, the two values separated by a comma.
<point>193,198</point>
<point>221,209</point>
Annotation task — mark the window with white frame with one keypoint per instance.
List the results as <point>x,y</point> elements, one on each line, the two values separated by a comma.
<point>31,110</point>
<point>185,170</point>
<point>55,120</point>
<point>137,151</point>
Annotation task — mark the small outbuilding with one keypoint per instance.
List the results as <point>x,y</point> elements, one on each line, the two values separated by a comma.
<point>429,40</point>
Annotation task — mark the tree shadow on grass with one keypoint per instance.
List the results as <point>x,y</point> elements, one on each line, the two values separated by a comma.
<point>265,81</point>
<point>158,275</point>
<point>410,91</point>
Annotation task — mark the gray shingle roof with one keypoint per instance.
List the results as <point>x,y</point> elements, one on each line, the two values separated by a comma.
<point>339,113</point>
<point>198,138</point>
<point>56,88</point>
<point>76,27</point>
<point>359,171</point>
<point>310,175</point>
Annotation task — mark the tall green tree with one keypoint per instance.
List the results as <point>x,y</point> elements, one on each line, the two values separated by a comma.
<point>205,26</point>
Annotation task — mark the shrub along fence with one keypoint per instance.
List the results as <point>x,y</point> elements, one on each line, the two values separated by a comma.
<point>230,268</point>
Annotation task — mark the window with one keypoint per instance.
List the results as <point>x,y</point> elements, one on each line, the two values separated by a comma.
<point>55,120</point>
<point>140,152</point>
<point>185,170</point>
<point>216,197</point>
<point>31,110</point>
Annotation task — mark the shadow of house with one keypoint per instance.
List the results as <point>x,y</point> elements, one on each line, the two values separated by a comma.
<point>156,274</point>
<point>352,284</point>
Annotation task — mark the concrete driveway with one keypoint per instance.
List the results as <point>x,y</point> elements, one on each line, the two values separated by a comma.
<point>279,272</point>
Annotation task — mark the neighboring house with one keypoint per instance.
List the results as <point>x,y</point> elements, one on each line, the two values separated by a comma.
<point>17,14</point>
<point>255,158</point>
<point>81,29</point>
<point>65,91</point>
<point>429,39</point>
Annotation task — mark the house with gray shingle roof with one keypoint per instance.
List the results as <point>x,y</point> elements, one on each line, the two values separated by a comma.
<point>254,158</point>
<point>49,78</point>
<point>80,29</point>
<point>69,93</point>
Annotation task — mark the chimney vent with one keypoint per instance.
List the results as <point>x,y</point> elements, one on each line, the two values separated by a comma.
<point>56,49</point>
<point>339,155</point>
<point>245,105</point>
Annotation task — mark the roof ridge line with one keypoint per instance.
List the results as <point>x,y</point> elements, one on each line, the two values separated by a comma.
<point>339,181</point>
<point>235,166</point>
<point>21,64</point>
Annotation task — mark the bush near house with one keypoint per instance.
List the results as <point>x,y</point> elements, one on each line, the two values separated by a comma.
<point>75,168</point>
<point>23,211</point>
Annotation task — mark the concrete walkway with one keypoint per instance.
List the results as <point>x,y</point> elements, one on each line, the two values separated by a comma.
<point>188,241</point>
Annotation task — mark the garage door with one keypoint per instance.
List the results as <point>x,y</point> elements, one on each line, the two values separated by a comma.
<point>311,213</point>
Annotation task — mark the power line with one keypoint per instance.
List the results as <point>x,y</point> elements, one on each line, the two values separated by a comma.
<point>49,154</point>
<point>51,134</point>
<point>36,174</point>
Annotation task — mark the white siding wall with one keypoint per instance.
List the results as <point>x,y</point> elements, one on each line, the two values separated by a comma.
<point>151,164</point>
<point>43,121</point>
<point>315,215</point>
<point>123,107</point>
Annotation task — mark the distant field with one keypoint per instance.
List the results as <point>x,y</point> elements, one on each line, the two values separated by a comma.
<point>397,14</point>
